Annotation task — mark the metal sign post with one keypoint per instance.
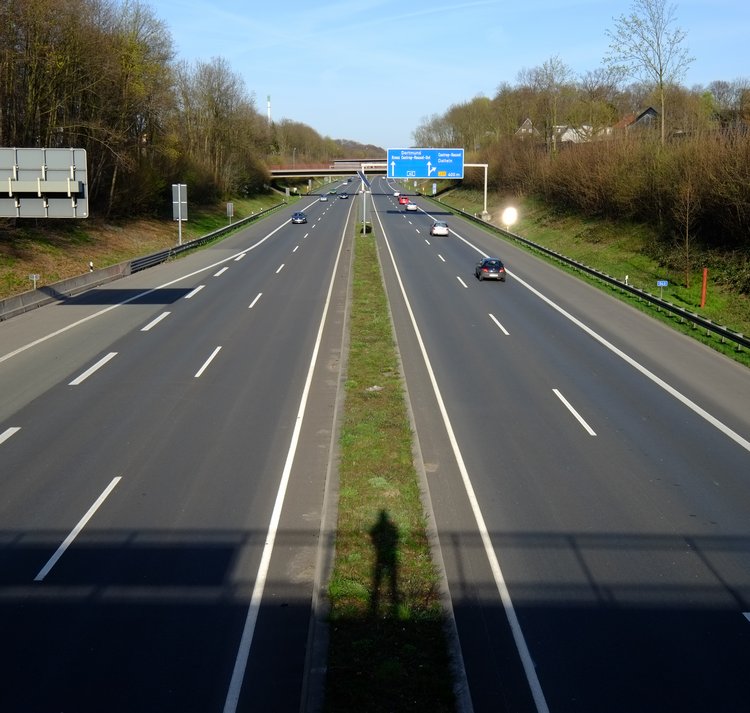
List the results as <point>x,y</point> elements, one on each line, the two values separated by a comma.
<point>366,186</point>
<point>179,207</point>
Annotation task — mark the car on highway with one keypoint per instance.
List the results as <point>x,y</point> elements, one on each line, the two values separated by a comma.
<point>411,206</point>
<point>324,198</point>
<point>490,268</point>
<point>439,227</point>
<point>343,195</point>
<point>396,194</point>
<point>299,217</point>
<point>403,200</point>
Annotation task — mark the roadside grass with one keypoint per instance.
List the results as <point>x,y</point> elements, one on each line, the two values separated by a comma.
<point>57,250</point>
<point>619,249</point>
<point>388,650</point>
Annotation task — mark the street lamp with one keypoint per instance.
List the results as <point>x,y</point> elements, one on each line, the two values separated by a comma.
<point>294,157</point>
<point>509,217</point>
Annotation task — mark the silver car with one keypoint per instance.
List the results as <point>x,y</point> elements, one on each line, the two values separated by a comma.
<point>439,227</point>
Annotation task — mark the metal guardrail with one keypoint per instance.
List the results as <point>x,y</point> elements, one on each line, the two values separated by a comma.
<point>142,263</point>
<point>26,301</point>
<point>724,332</point>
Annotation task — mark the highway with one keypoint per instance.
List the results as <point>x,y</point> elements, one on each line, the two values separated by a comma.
<point>589,474</point>
<point>165,444</point>
<point>164,450</point>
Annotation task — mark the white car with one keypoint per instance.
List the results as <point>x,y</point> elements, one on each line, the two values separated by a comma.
<point>396,194</point>
<point>439,228</point>
<point>324,198</point>
<point>411,206</point>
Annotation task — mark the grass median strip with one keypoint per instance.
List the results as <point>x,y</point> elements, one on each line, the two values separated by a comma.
<point>388,649</point>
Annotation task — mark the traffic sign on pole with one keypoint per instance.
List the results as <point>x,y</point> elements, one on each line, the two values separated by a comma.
<point>425,163</point>
<point>179,207</point>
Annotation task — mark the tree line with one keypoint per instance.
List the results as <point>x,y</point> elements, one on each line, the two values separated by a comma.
<point>687,173</point>
<point>101,75</point>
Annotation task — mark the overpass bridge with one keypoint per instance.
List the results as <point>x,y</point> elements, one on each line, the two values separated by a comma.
<point>335,168</point>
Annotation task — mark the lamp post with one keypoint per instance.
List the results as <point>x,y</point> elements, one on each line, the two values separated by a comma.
<point>509,217</point>
<point>294,157</point>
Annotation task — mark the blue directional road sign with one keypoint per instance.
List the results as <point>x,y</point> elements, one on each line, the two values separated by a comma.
<point>425,163</point>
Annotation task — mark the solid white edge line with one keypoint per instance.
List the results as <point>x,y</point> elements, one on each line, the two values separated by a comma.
<point>743,442</point>
<point>726,430</point>
<point>92,369</point>
<point>44,571</point>
<point>502,588</point>
<point>154,322</point>
<point>207,362</point>
<point>575,413</point>
<point>246,640</point>
<point>194,292</point>
<point>8,432</point>
<point>135,297</point>
<point>500,326</point>
<point>257,297</point>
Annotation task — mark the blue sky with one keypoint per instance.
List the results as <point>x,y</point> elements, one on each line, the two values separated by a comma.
<point>374,70</point>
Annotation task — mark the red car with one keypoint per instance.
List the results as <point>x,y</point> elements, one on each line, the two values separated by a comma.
<point>403,200</point>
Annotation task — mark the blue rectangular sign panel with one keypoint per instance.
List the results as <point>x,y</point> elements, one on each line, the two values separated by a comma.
<point>425,163</point>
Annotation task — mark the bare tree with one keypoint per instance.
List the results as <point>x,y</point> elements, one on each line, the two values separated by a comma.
<point>644,45</point>
<point>552,84</point>
<point>597,93</point>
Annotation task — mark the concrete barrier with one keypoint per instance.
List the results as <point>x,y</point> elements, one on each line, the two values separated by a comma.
<point>18,304</point>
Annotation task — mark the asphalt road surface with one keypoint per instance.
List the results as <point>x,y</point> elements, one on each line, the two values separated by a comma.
<point>165,443</point>
<point>164,450</point>
<point>589,471</point>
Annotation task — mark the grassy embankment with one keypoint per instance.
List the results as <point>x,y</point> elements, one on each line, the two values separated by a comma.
<point>619,249</point>
<point>56,250</point>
